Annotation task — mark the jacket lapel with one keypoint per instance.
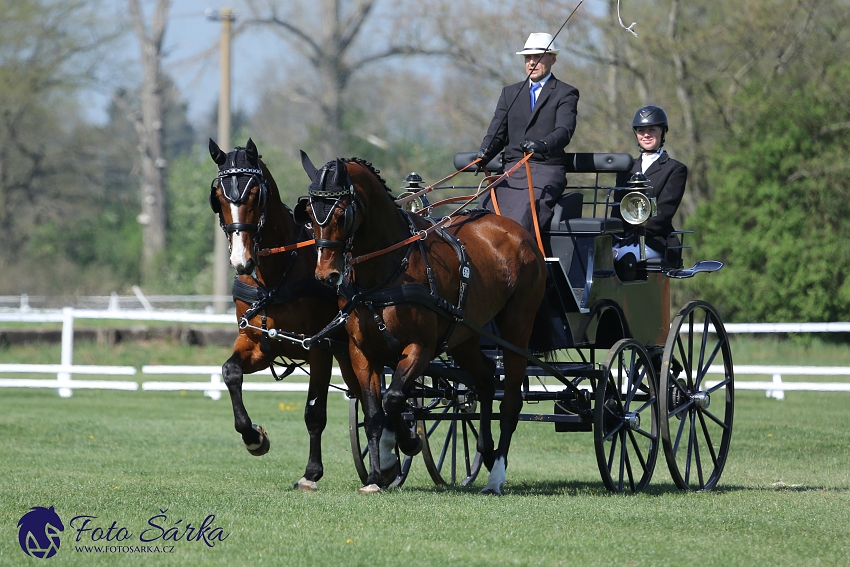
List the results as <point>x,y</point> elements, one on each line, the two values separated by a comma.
<point>656,165</point>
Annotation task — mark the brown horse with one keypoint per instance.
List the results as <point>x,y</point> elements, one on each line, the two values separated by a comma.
<point>275,292</point>
<point>408,304</point>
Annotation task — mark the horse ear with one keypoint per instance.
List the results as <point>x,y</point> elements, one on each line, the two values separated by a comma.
<point>341,174</point>
<point>308,166</point>
<point>216,154</point>
<point>251,151</point>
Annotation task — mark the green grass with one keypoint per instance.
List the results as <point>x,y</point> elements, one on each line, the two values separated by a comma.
<point>784,498</point>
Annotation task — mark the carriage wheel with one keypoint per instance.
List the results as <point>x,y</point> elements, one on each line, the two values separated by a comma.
<point>360,451</point>
<point>696,413</point>
<point>626,418</point>
<point>449,446</point>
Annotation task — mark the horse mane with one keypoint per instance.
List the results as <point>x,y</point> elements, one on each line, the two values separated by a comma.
<point>369,167</point>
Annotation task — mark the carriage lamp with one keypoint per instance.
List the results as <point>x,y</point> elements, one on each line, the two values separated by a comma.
<point>413,184</point>
<point>636,208</point>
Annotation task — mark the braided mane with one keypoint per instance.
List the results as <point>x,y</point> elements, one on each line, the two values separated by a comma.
<point>368,165</point>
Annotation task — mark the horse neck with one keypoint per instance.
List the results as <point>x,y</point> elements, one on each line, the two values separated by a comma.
<point>280,229</point>
<point>383,225</point>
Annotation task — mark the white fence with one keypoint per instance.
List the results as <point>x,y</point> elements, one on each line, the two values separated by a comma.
<point>64,382</point>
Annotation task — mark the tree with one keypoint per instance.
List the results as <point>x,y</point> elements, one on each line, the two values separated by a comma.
<point>148,122</point>
<point>330,46</point>
<point>48,167</point>
<point>780,215</point>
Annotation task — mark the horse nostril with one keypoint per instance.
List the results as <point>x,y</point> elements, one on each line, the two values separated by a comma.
<point>334,278</point>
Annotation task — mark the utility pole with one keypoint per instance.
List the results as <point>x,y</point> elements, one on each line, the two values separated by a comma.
<point>221,262</point>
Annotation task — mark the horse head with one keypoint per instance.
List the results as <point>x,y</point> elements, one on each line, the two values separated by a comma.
<point>332,208</point>
<point>239,195</point>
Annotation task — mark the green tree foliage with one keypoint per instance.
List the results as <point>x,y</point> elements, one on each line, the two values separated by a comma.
<point>780,217</point>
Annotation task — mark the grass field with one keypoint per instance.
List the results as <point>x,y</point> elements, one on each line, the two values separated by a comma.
<point>173,459</point>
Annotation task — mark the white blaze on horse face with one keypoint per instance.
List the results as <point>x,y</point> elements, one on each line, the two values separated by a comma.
<point>386,449</point>
<point>238,253</point>
<point>497,477</point>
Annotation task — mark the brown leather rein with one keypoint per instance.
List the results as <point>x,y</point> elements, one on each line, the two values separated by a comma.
<point>445,221</point>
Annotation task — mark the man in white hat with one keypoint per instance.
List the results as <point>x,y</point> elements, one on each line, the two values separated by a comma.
<point>537,115</point>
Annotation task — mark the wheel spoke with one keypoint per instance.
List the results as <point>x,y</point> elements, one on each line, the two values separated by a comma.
<point>629,472</point>
<point>638,452</point>
<point>719,385</point>
<point>690,451</point>
<point>681,429</point>
<point>715,419</point>
<point>698,460</point>
<point>612,452</point>
<point>708,442</point>
<point>445,446</point>
<point>703,369</point>
<point>437,421</point>
<point>623,451</point>
<point>680,409</point>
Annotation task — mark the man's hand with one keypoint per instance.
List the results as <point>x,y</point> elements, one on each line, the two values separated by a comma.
<point>534,147</point>
<point>485,159</point>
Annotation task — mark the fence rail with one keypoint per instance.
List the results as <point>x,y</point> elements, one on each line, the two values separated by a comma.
<point>65,370</point>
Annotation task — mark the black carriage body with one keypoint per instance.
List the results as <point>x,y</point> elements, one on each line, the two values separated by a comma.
<point>649,394</point>
<point>587,303</point>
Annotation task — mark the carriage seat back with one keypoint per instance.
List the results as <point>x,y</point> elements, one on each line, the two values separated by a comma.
<point>599,162</point>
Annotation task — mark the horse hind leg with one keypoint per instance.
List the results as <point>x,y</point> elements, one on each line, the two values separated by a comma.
<point>254,437</point>
<point>468,356</point>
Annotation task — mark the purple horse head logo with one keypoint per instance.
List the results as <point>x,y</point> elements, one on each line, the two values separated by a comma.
<point>38,532</point>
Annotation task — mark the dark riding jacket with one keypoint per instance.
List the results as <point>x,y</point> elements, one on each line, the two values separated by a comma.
<point>553,121</point>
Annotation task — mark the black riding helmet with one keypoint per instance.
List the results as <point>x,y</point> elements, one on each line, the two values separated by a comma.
<point>651,116</point>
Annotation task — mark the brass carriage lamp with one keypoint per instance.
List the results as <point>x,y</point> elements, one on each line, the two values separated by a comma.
<point>636,208</point>
<point>413,184</point>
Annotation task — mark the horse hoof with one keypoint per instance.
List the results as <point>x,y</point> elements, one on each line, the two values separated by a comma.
<point>390,475</point>
<point>370,489</point>
<point>306,485</point>
<point>261,448</point>
<point>491,492</point>
<point>411,446</point>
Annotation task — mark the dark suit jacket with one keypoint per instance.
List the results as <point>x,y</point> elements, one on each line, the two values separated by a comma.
<point>553,121</point>
<point>667,178</point>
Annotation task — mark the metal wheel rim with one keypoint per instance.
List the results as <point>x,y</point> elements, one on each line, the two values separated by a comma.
<point>696,439</point>
<point>626,452</point>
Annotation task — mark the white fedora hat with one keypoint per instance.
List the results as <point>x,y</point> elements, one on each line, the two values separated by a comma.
<point>538,43</point>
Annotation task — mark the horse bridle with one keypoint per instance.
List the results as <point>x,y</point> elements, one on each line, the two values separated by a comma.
<point>318,193</point>
<point>235,196</point>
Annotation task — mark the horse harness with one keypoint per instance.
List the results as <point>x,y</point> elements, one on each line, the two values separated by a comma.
<point>380,296</point>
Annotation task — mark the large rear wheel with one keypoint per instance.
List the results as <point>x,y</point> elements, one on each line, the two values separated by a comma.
<point>625,418</point>
<point>696,413</point>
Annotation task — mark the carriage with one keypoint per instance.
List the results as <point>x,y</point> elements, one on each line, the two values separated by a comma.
<point>604,355</point>
<point>601,351</point>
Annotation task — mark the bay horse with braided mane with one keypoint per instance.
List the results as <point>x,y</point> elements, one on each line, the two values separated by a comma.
<point>408,304</point>
<point>277,291</point>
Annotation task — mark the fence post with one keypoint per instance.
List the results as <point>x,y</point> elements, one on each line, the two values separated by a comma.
<point>778,394</point>
<point>67,351</point>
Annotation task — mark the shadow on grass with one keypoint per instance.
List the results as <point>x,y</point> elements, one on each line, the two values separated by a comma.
<point>583,488</point>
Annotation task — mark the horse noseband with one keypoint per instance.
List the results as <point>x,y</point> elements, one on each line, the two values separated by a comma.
<point>235,196</point>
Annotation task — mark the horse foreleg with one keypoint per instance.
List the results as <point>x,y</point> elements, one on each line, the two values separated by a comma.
<point>316,415</point>
<point>509,417</point>
<point>373,417</point>
<point>254,437</point>
<point>413,362</point>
